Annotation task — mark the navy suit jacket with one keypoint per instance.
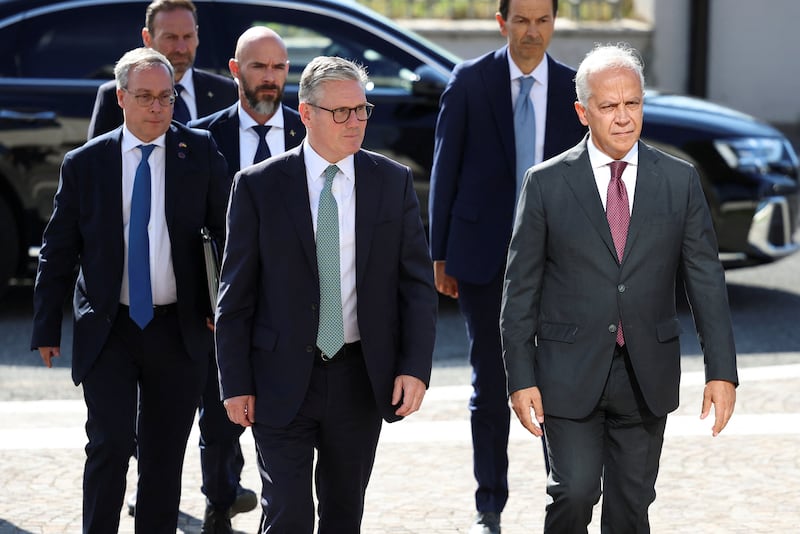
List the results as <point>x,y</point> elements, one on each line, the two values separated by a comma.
<point>268,305</point>
<point>473,183</point>
<point>565,290</point>
<point>212,93</point>
<point>224,126</point>
<point>86,229</point>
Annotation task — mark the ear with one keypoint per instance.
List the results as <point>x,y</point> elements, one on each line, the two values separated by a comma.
<point>147,39</point>
<point>581,111</point>
<point>305,113</point>
<point>233,67</point>
<point>502,23</point>
<point>120,96</point>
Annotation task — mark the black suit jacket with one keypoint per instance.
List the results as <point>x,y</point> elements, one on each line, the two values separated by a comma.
<point>224,126</point>
<point>268,306</point>
<point>565,289</point>
<point>86,229</point>
<point>212,93</point>
<point>473,182</point>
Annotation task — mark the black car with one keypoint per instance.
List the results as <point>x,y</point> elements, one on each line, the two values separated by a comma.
<point>57,52</point>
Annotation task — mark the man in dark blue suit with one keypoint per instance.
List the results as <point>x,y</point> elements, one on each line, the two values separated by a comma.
<point>326,313</point>
<point>260,65</point>
<point>171,28</point>
<point>474,185</point>
<point>140,344</point>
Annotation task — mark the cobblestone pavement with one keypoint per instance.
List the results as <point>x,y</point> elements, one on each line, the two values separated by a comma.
<point>745,480</point>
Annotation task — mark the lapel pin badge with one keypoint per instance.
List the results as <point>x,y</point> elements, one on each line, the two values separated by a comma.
<point>291,133</point>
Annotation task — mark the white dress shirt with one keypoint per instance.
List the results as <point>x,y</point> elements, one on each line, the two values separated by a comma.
<point>162,275</point>
<point>344,192</point>
<point>248,138</point>
<point>602,171</point>
<point>189,94</point>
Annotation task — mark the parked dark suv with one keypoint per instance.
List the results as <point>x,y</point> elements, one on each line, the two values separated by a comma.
<point>55,53</point>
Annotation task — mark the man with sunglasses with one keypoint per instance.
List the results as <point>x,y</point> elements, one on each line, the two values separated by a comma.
<point>128,211</point>
<point>326,315</point>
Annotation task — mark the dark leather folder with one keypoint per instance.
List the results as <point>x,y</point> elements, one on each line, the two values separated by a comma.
<point>212,260</point>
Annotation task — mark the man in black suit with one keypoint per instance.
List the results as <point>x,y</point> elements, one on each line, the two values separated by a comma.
<point>170,28</point>
<point>326,313</point>
<point>591,337</point>
<point>128,211</point>
<point>260,65</point>
<point>479,159</point>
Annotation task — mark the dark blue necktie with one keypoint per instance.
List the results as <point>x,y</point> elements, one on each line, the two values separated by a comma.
<point>140,293</point>
<point>262,150</point>
<point>181,111</point>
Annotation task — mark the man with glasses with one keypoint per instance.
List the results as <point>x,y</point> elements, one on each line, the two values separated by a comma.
<point>128,212</point>
<point>171,28</point>
<point>247,132</point>
<point>327,312</point>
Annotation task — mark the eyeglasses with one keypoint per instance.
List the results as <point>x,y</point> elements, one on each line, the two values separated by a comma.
<point>342,115</point>
<point>146,100</point>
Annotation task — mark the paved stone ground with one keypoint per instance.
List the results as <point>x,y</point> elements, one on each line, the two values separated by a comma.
<point>746,480</point>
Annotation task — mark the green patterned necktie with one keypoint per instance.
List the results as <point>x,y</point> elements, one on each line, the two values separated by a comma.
<point>330,336</point>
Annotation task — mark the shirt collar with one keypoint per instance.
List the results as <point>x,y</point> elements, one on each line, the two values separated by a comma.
<point>599,159</point>
<point>187,82</point>
<point>130,141</point>
<point>246,121</point>
<point>540,73</point>
<point>316,164</point>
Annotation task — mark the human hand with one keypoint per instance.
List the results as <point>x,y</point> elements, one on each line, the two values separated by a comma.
<point>210,324</point>
<point>410,390</point>
<point>722,394</point>
<point>445,284</point>
<point>241,410</point>
<point>48,353</point>
<point>523,401</point>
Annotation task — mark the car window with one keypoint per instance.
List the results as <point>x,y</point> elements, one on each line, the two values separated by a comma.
<point>71,44</point>
<point>308,35</point>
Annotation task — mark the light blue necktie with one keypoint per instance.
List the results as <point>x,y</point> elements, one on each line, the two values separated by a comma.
<point>139,290</point>
<point>524,129</point>
<point>330,336</point>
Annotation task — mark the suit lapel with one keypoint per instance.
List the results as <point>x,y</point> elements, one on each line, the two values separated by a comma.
<point>226,135</point>
<point>292,129</point>
<point>110,159</point>
<point>368,197</point>
<point>646,195</point>
<point>294,189</point>
<point>174,158</point>
<point>497,85</point>
<point>580,178</point>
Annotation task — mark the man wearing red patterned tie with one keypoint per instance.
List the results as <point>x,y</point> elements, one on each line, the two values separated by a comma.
<point>589,324</point>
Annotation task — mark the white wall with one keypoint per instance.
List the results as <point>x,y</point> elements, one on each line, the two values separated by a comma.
<point>753,60</point>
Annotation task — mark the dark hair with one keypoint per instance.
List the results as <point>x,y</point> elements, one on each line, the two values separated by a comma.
<point>502,8</point>
<point>157,6</point>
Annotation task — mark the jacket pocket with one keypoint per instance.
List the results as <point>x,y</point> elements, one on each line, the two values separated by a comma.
<point>565,333</point>
<point>668,330</point>
<point>264,338</point>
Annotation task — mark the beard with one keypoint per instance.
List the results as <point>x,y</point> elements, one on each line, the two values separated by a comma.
<point>266,104</point>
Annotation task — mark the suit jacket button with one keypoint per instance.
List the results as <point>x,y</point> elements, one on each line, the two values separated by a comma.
<point>621,288</point>
<point>309,348</point>
<point>612,328</point>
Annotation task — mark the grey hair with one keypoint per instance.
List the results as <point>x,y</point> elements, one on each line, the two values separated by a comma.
<point>606,57</point>
<point>322,69</point>
<point>136,60</point>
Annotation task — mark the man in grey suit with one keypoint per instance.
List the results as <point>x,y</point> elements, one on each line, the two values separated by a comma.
<point>589,324</point>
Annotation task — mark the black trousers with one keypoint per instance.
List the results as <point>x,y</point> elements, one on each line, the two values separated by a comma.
<point>145,372</point>
<point>341,422</point>
<point>619,443</point>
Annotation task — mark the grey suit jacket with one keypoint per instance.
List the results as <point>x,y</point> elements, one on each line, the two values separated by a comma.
<point>565,290</point>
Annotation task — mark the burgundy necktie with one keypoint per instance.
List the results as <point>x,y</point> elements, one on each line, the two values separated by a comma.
<point>618,217</point>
